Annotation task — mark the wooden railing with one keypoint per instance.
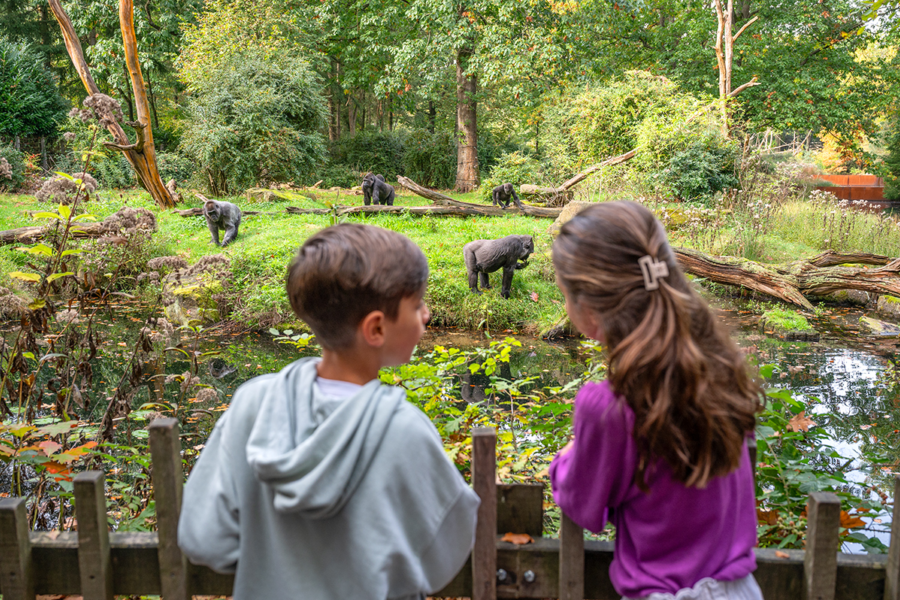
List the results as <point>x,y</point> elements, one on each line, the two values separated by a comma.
<point>98,564</point>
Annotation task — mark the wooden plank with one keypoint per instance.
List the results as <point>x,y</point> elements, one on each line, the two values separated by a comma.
<point>136,570</point>
<point>820,560</point>
<point>16,570</point>
<point>892,572</point>
<point>484,474</point>
<point>94,562</point>
<point>520,509</point>
<point>571,560</point>
<point>168,481</point>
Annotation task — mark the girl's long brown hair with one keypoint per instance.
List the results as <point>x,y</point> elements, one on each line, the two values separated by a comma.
<point>684,378</point>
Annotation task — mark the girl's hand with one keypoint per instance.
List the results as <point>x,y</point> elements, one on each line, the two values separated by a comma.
<point>567,448</point>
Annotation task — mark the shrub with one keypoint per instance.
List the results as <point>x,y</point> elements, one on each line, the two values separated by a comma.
<point>514,168</point>
<point>340,176</point>
<point>430,158</point>
<point>109,167</point>
<point>30,102</point>
<point>174,166</point>
<point>698,172</point>
<point>255,119</point>
<point>12,175</point>
<point>377,151</point>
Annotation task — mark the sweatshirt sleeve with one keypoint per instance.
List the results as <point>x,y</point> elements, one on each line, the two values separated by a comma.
<point>596,473</point>
<point>451,546</point>
<point>209,528</point>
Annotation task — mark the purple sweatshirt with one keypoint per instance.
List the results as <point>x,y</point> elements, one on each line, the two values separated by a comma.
<point>667,539</point>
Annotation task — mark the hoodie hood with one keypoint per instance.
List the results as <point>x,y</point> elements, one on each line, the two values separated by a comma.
<point>314,451</point>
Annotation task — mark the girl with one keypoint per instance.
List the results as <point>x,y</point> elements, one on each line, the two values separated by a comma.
<point>660,447</point>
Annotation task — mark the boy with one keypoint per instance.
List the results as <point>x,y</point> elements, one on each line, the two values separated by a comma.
<point>320,482</point>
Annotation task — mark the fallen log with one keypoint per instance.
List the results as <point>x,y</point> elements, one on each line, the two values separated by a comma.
<point>545,195</point>
<point>124,219</point>
<point>439,198</point>
<point>472,210</point>
<point>795,281</point>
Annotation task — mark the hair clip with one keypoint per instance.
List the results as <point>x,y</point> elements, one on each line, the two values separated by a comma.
<point>652,271</point>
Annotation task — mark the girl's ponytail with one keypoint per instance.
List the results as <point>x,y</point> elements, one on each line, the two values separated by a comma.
<point>683,377</point>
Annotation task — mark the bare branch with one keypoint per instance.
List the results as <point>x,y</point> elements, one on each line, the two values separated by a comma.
<point>738,90</point>
<point>741,30</point>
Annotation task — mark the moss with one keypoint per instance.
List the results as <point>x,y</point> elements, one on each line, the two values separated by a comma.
<point>782,319</point>
<point>890,299</point>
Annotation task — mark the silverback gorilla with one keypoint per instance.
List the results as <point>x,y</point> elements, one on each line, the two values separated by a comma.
<point>376,191</point>
<point>486,256</point>
<point>502,195</point>
<point>222,215</point>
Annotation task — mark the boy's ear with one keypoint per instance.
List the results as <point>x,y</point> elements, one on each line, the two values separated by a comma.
<point>372,328</point>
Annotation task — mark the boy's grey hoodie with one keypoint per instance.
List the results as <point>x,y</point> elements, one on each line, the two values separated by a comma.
<point>303,496</point>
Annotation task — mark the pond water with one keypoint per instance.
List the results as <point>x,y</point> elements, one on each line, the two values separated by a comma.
<point>845,379</point>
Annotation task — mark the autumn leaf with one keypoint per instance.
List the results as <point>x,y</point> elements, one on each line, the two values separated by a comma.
<point>849,521</point>
<point>781,554</point>
<point>766,517</point>
<point>800,422</point>
<point>534,296</point>
<point>519,539</point>
<point>49,447</point>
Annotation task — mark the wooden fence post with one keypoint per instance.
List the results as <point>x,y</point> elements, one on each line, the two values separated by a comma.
<point>168,481</point>
<point>16,572</point>
<point>892,577</point>
<point>571,560</point>
<point>93,536</point>
<point>484,481</point>
<point>820,562</point>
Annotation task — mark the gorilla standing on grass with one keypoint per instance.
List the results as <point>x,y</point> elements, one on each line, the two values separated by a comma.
<point>502,195</point>
<point>486,256</point>
<point>376,191</point>
<point>222,215</point>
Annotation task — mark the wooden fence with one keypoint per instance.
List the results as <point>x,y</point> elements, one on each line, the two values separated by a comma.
<point>98,564</point>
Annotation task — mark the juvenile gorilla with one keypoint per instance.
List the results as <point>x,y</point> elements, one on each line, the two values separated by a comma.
<point>376,191</point>
<point>502,195</point>
<point>486,256</point>
<point>222,215</point>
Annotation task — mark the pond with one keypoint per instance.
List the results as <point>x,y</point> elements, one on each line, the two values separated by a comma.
<point>846,381</point>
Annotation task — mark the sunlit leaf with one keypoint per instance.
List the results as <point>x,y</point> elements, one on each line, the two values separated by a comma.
<point>33,277</point>
<point>38,249</point>
<point>56,276</point>
<point>45,215</point>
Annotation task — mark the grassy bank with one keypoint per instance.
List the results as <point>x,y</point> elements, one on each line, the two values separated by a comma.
<point>267,243</point>
<point>777,232</point>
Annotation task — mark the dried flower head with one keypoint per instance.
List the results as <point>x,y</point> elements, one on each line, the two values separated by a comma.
<point>69,136</point>
<point>107,110</point>
<point>5,169</point>
<point>81,114</point>
<point>171,263</point>
<point>64,317</point>
<point>188,381</point>
<point>207,395</point>
<point>62,190</point>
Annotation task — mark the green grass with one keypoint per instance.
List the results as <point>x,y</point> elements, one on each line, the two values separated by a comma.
<point>267,243</point>
<point>785,320</point>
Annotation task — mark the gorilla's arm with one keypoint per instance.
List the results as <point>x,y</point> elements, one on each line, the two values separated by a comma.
<point>516,199</point>
<point>213,224</point>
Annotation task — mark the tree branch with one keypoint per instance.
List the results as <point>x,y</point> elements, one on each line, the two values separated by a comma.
<point>738,90</point>
<point>741,30</point>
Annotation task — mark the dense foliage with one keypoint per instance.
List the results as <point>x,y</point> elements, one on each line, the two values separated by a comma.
<point>30,103</point>
<point>256,119</point>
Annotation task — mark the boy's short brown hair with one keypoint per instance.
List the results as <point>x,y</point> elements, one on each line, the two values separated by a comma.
<point>343,273</point>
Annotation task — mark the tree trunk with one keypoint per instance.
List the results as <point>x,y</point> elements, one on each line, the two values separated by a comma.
<point>725,54</point>
<point>351,115</point>
<point>141,155</point>
<point>17,143</point>
<point>44,153</point>
<point>127,91</point>
<point>390,113</point>
<point>467,169</point>
<point>432,116</point>
<point>152,98</point>
<point>794,281</point>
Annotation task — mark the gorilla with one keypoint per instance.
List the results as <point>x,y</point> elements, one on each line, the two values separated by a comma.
<point>486,256</point>
<point>222,215</point>
<point>376,191</point>
<point>502,195</point>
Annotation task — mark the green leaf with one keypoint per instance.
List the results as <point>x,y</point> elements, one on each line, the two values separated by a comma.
<point>73,250</point>
<point>33,277</point>
<point>65,175</point>
<point>84,218</point>
<point>37,304</point>
<point>65,211</point>
<point>45,215</point>
<point>56,276</point>
<point>40,249</point>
